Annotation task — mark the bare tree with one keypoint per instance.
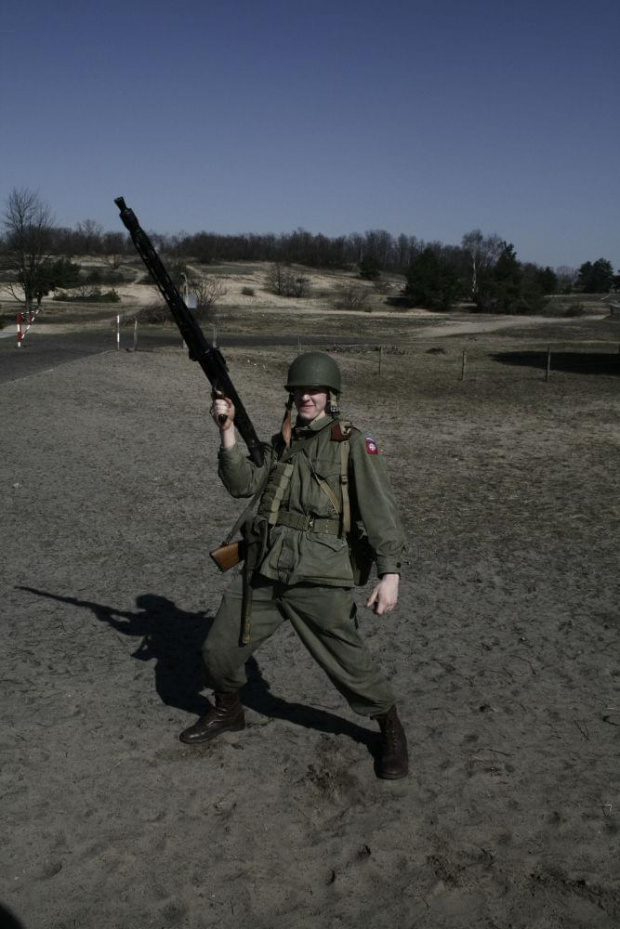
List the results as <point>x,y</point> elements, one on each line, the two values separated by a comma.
<point>286,282</point>
<point>274,278</point>
<point>90,231</point>
<point>483,251</point>
<point>114,247</point>
<point>208,291</point>
<point>29,229</point>
<point>567,278</point>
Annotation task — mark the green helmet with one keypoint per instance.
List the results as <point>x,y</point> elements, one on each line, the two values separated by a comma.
<point>314,369</point>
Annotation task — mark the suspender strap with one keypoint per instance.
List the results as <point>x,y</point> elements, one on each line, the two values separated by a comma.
<point>342,506</point>
<point>341,432</point>
<point>344,487</point>
<point>329,493</point>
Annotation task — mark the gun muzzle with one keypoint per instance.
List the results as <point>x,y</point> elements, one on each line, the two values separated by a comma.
<point>128,217</point>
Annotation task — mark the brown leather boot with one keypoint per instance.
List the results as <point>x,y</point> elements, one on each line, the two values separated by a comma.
<point>226,716</point>
<point>393,760</point>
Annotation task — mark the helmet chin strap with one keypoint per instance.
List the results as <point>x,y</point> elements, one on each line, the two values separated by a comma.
<point>286,429</point>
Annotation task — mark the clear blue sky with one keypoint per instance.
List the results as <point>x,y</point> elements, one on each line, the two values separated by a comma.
<point>425,118</point>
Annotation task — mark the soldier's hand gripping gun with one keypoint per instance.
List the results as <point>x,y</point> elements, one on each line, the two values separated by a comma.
<point>208,357</point>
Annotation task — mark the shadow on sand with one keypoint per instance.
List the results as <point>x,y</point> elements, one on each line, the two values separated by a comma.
<point>572,362</point>
<point>173,639</point>
<point>8,920</point>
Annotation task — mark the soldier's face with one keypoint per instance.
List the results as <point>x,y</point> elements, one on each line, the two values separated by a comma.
<point>310,402</point>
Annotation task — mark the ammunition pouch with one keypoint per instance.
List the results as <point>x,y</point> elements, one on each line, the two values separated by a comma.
<point>275,490</point>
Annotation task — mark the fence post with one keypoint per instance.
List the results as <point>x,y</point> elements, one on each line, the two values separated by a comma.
<point>464,365</point>
<point>118,332</point>
<point>548,371</point>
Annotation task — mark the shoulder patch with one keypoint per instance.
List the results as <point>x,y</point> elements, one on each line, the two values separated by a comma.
<point>371,446</point>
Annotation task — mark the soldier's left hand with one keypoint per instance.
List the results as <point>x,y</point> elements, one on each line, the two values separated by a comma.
<point>384,597</point>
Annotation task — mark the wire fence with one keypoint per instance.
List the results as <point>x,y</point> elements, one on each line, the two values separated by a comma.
<point>382,357</point>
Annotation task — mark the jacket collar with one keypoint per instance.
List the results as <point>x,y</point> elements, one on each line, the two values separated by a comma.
<point>303,430</point>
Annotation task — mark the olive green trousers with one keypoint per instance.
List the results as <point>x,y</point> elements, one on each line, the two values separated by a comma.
<point>324,620</point>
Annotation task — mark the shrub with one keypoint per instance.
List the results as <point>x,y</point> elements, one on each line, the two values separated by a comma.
<point>62,273</point>
<point>370,269</point>
<point>89,295</point>
<point>351,296</point>
<point>108,296</point>
<point>154,313</point>
<point>98,276</point>
<point>247,291</point>
<point>207,292</point>
<point>299,287</point>
<point>285,282</point>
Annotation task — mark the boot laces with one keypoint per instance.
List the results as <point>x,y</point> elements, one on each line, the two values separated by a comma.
<point>393,734</point>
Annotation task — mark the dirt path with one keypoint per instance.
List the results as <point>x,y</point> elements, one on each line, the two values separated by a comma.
<point>493,324</point>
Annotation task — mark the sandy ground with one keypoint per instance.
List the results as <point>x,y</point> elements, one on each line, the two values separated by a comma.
<point>236,311</point>
<point>503,651</point>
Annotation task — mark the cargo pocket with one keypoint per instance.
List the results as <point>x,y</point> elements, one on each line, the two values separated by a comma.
<point>325,558</point>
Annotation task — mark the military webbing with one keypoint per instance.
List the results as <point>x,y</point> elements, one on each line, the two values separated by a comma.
<point>343,508</point>
<point>331,496</point>
<point>344,486</point>
<point>324,525</point>
<point>289,452</point>
<point>298,446</point>
<point>275,491</point>
<point>246,609</point>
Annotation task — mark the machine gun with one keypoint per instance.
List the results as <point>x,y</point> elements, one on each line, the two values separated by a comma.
<point>208,356</point>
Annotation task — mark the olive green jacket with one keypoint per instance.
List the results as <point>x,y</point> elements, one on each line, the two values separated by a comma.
<point>294,556</point>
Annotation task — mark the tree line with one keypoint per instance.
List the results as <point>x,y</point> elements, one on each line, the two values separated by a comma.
<point>483,269</point>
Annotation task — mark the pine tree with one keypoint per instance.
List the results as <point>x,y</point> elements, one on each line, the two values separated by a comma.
<point>432,282</point>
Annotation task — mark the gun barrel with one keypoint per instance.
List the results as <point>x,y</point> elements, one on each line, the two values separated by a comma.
<point>210,358</point>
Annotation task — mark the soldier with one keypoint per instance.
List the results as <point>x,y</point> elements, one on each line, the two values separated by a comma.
<point>321,479</point>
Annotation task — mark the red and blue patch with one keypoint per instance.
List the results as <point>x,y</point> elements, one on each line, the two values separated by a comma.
<point>371,446</point>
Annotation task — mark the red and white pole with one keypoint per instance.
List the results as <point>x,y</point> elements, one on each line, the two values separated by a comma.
<point>20,335</point>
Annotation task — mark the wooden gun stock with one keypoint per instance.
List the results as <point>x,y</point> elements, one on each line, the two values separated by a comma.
<point>227,556</point>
